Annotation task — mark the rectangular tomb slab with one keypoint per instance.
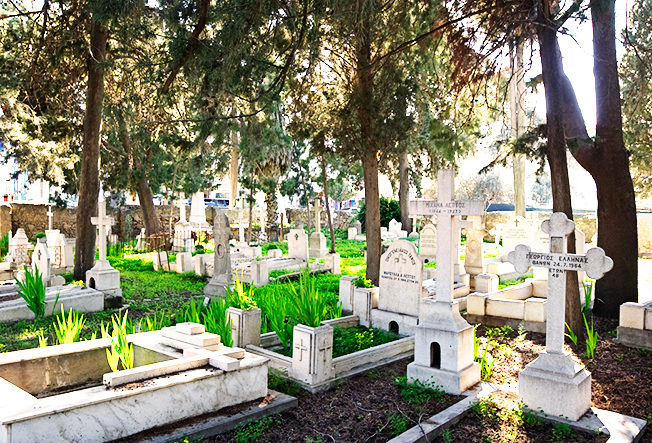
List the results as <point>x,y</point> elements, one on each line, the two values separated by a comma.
<point>13,307</point>
<point>154,395</point>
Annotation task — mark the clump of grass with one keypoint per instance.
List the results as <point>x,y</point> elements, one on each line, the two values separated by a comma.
<point>417,392</point>
<point>121,351</point>
<point>240,297</point>
<point>253,430</point>
<point>356,338</point>
<point>32,290</point>
<point>212,315</point>
<point>362,282</point>
<point>68,327</point>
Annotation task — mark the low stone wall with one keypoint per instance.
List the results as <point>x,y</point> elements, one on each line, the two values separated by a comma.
<point>341,219</point>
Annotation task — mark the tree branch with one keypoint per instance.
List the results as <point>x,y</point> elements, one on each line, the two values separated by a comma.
<point>192,47</point>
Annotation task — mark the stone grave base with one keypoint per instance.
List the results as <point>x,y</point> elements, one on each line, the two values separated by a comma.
<point>451,382</point>
<point>105,279</point>
<point>393,321</point>
<point>635,325</point>
<point>556,385</point>
<point>496,322</point>
<point>70,296</point>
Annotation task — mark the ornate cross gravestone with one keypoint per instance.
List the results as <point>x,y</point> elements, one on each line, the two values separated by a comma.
<point>443,347</point>
<point>222,277</point>
<point>102,276</point>
<point>554,382</point>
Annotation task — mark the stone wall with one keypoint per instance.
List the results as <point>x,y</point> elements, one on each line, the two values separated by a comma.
<point>341,219</point>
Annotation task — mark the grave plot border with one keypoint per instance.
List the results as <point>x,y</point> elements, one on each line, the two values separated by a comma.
<point>619,427</point>
<point>342,367</point>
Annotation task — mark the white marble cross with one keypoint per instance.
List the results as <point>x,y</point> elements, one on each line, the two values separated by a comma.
<point>181,203</point>
<point>595,263</point>
<point>446,209</point>
<point>102,221</point>
<point>49,214</point>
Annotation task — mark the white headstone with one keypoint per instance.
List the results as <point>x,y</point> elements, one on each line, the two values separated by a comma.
<point>428,242</point>
<point>198,211</point>
<point>395,227</point>
<point>473,255</point>
<point>141,240</point>
<point>401,278</point>
<point>554,382</point>
<point>351,233</point>
<point>41,259</point>
<point>298,244</point>
<point>358,226</point>
<point>517,231</point>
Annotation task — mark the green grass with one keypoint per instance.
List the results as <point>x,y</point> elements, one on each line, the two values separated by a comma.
<point>357,338</point>
<point>505,283</point>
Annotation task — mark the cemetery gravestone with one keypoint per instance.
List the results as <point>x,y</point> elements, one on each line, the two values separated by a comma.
<point>358,226</point>
<point>473,255</point>
<point>517,231</point>
<point>141,240</point>
<point>428,242</point>
<point>41,259</point>
<point>102,276</point>
<point>222,277</point>
<point>198,212</point>
<point>298,244</point>
<point>443,347</point>
<point>401,278</point>
<point>19,247</point>
<point>554,382</point>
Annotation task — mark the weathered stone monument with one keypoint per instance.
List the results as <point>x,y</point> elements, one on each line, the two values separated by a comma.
<point>198,212</point>
<point>517,231</point>
<point>182,231</point>
<point>443,348</point>
<point>103,276</point>
<point>222,275</point>
<point>428,242</point>
<point>19,247</point>
<point>141,240</point>
<point>318,247</point>
<point>396,228</point>
<point>554,383</point>
<point>41,259</point>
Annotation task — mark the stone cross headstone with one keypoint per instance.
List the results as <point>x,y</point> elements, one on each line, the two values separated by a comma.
<point>222,276</point>
<point>428,242</point>
<point>141,240</point>
<point>103,223</point>
<point>566,384</point>
<point>401,279</point>
<point>181,204</point>
<point>50,214</point>
<point>446,209</point>
<point>443,346</point>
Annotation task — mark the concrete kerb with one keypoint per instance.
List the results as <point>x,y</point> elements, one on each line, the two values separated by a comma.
<point>619,427</point>
<point>219,423</point>
<point>438,423</point>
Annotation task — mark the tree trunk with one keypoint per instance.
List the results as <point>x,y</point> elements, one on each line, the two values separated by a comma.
<point>551,65</point>
<point>146,198</point>
<point>89,185</point>
<point>234,166</point>
<point>404,190</point>
<point>517,123</point>
<point>328,209</point>
<point>368,148</point>
<point>372,216</point>
<point>251,211</point>
<point>607,161</point>
<point>617,228</point>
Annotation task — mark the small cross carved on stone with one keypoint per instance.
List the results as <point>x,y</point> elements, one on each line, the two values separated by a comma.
<point>300,347</point>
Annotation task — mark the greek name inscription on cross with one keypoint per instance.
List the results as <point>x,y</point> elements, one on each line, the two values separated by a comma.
<point>446,209</point>
<point>595,263</point>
